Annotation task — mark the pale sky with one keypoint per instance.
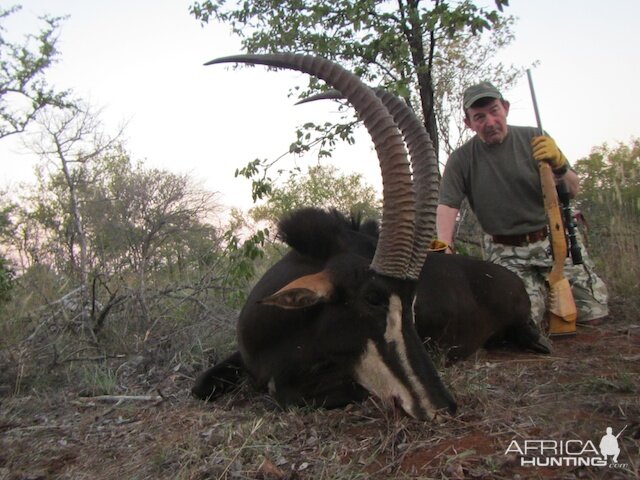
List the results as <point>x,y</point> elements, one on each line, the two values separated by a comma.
<point>142,61</point>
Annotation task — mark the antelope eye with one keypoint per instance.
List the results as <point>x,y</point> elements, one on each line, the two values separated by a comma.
<point>376,298</point>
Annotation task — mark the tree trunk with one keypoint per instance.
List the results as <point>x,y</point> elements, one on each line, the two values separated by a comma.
<point>77,222</point>
<point>414,34</point>
<point>85,295</point>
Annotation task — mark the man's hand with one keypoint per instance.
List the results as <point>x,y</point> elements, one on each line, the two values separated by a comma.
<point>545,150</point>
<point>446,223</point>
<point>439,246</point>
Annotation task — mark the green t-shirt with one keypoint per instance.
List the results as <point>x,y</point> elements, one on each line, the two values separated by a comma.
<point>502,183</point>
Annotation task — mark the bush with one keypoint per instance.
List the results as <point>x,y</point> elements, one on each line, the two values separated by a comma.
<point>7,276</point>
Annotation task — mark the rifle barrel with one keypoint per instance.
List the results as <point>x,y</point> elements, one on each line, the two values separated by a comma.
<point>535,102</point>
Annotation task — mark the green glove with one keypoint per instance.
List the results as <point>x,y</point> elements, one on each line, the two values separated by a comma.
<point>545,150</point>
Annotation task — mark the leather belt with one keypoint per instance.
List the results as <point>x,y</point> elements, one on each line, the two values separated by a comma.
<point>522,239</point>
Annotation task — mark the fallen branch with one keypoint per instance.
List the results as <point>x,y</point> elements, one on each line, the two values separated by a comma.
<point>123,398</point>
<point>99,358</point>
<point>34,428</point>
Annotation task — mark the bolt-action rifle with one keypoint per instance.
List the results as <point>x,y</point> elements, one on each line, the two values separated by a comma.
<point>562,306</point>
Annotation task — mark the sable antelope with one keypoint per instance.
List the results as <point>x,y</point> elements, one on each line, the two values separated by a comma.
<point>461,303</point>
<point>328,324</point>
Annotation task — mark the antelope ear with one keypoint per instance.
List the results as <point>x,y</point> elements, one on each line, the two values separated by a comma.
<point>303,292</point>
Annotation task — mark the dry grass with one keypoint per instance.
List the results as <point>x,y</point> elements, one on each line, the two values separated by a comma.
<point>589,383</point>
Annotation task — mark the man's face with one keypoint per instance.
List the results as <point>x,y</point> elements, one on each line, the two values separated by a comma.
<point>489,121</point>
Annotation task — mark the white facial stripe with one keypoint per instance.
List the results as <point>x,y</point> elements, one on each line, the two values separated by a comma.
<point>374,375</point>
<point>394,334</point>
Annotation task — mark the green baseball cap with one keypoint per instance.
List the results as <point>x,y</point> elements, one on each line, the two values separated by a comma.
<point>478,91</point>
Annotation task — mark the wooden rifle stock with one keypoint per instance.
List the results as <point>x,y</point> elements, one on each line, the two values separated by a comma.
<point>562,306</point>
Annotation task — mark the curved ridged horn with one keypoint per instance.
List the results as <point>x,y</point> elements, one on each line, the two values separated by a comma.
<point>328,95</point>
<point>423,163</point>
<point>395,245</point>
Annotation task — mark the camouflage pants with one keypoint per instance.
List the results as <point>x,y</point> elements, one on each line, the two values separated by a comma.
<point>533,262</point>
